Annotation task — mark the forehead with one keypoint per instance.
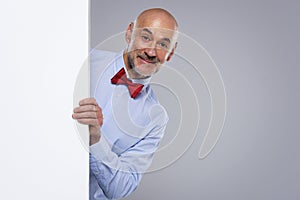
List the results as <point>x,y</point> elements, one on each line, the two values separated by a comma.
<point>156,21</point>
<point>156,31</point>
<point>160,25</point>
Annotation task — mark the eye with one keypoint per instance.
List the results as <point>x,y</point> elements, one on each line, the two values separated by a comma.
<point>145,38</point>
<point>163,45</point>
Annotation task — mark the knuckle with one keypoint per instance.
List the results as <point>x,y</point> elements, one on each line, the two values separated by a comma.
<point>99,113</point>
<point>85,101</point>
<point>93,114</point>
<point>82,101</point>
<point>93,100</point>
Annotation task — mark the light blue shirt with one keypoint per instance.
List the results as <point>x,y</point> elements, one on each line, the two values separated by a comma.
<point>131,130</point>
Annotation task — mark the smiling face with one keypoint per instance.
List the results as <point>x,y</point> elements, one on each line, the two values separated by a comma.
<point>151,42</point>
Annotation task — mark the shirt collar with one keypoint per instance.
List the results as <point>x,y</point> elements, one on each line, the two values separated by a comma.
<point>120,63</point>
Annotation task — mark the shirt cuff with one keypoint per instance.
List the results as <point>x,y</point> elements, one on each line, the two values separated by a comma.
<point>100,150</point>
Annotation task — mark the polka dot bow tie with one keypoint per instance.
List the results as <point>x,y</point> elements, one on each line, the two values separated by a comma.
<point>121,79</point>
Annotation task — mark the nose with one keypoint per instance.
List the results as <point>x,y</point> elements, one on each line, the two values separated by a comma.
<point>151,51</point>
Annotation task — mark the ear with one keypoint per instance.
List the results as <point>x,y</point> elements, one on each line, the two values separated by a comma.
<point>172,52</point>
<point>129,32</point>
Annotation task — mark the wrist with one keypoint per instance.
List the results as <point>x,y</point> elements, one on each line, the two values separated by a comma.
<point>95,134</point>
<point>94,139</point>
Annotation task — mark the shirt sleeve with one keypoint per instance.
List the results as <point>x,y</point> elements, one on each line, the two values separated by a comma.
<point>119,175</point>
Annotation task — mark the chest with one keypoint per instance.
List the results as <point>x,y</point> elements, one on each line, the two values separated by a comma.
<point>126,121</point>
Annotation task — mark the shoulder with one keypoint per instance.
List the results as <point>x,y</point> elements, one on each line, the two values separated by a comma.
<point>100,64</point>
<point>96,54</point>
<point>101,58</point>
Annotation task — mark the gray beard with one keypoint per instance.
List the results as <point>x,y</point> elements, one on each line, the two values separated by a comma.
<point>132,66</point>
<point>130,61</point>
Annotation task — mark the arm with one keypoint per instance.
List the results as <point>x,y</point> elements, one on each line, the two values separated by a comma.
<point>118,176</point>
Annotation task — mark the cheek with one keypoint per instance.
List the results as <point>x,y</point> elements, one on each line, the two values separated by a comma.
<point>137,45</point>
<point>135,49</point>
<point>162,55</point>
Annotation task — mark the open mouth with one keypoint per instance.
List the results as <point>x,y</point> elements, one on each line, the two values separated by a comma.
<point>146,60</point>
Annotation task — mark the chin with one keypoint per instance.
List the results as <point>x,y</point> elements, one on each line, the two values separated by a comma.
<point>146,70</point>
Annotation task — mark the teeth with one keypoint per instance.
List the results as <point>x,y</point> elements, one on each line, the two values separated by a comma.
<point>145,59</point>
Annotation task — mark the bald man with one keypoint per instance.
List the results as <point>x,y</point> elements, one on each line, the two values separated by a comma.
<point>126,121</point>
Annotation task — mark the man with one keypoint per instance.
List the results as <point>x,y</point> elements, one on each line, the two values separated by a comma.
<point>126,122</point>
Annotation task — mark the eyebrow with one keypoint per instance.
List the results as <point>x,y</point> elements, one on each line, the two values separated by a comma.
<point>147,30</point>
<point>167,40</point>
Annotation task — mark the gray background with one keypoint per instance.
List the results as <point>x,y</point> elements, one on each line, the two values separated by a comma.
<point>255,45</point>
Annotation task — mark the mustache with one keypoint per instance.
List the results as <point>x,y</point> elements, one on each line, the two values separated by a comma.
<point>146,57</point>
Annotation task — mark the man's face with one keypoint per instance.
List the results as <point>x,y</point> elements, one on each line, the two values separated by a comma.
<point>149,48</point>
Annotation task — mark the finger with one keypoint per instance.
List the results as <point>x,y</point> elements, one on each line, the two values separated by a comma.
<point>85,108</point>
<point>89,121</point>
<point>93,122</point>
<point>88,101</point>
<point>91,115</point>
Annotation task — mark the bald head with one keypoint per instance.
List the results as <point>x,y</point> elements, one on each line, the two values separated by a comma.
<point>152,40</point>
<point>156,18</point>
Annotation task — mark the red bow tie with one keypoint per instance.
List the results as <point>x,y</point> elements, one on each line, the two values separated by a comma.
<point>120,78</point>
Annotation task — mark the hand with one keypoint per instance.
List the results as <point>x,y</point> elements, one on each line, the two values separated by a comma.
<point>90,113</point>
